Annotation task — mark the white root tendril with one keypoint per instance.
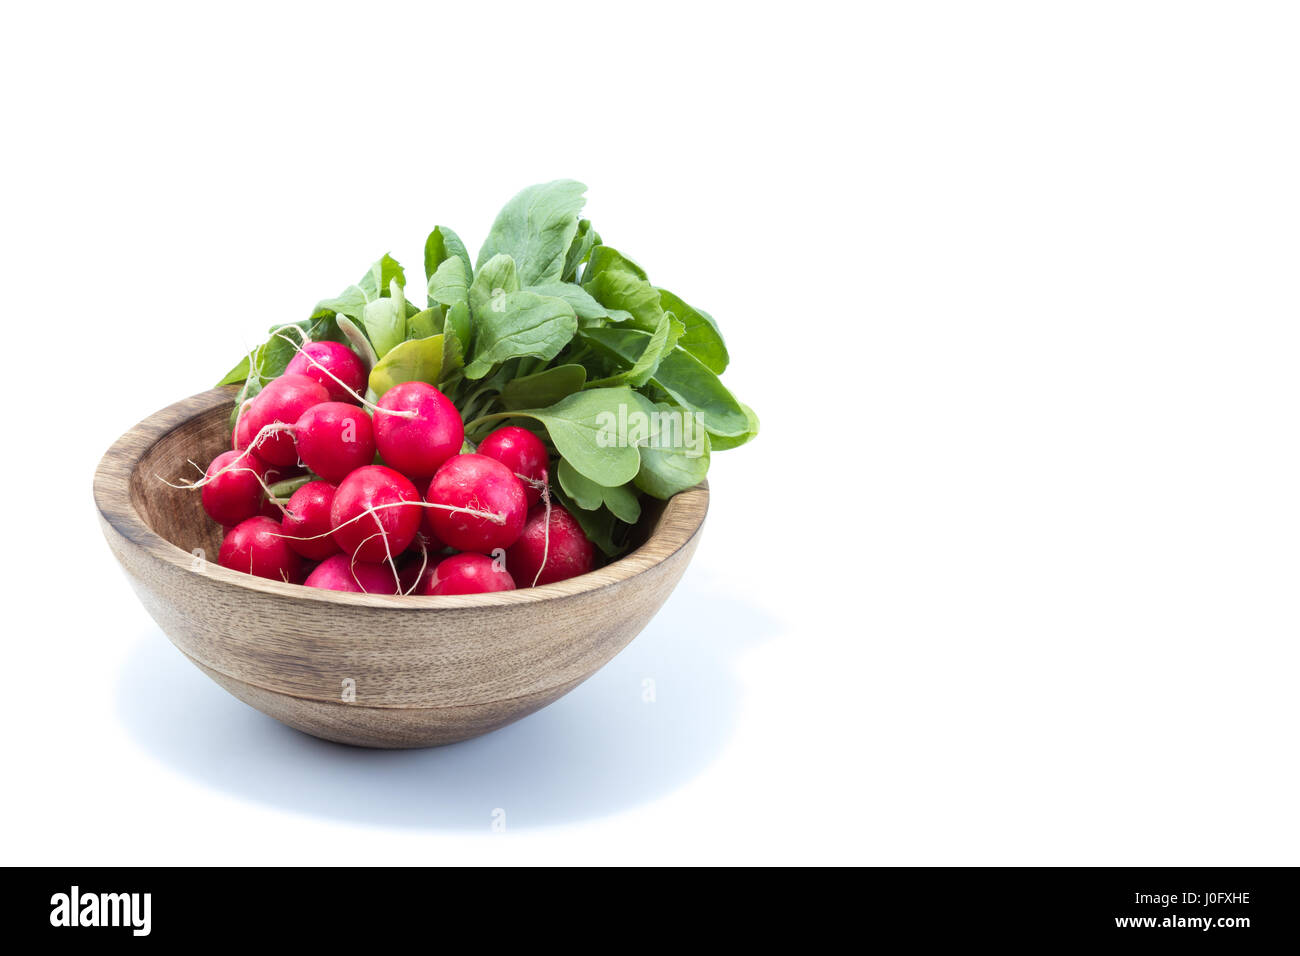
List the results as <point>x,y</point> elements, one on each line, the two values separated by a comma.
<point>234,463</point>
<point>299,349</point>
<point>424,563</point>
<point>388,552</point>
<point>486,515</point>
<point>306,339</point>
<point>234,467</point>
<point>546,533</point>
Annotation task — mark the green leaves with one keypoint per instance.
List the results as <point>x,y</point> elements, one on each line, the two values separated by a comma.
<point>551,326</point>
<point>603,529</point>
<point>609,259</point>
<point>668,469</point>
<point>494,278</point>
<point>693,386</point>
<point>239,373</point>
<point>458,323</point>
<point>350,302</point>
<point>584,430</point>
<point>385,320</point>
<point>700,335</point>
<point>424,323</point>
<point>416,360</point>
<point>680,375</point>
<point>442,245</point>
<point>379,280</point>
<point>543,388</point>
<point>623,290</point>
<point>724,442</point>
<point>585,307</point>
<point>644,350</point>
<point>449,284</point>
<point>580,249</point>
<point>676,454</point>
<point>586,494</point>
<point>510,323</point>
<point>519,325</point>
<point>536,229</point>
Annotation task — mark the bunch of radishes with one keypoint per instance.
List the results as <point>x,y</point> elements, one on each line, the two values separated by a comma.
<point>363,434</point>
<point>386,496</point>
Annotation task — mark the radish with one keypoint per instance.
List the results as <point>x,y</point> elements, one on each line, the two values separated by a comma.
<point>538,558</point>
<point>256,546</point>
<point>306,525</point>
<point>523,453</point>
<point>480,484</point>
<point>240,436</point>
<point>371,517</point>
<point>417,428</point>
<point>340,573</point>
<point>270,508</point>
<point>332,364</point>
<point>467,574</point>
<point>334,439</point>
<point>233,487</point>
<point>282,402</point>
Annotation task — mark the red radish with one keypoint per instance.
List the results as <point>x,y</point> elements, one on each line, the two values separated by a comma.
<point>256,546</point>
<point>283,400</point>
<point>335,439</point>
<point>482,484</point>
<point>467,574</point>
<point>523,453</point>
<point>306,526</point>
<point>232,490</point>
<point>418,444</point>
<point>332,364</point>
<point>567,554</point>
<point>241,436</point>
<point>390,528</point>
<point>339,573</point>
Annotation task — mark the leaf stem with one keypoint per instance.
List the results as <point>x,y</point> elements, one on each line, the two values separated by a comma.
<point>286,488</point>
<point>482,419</point>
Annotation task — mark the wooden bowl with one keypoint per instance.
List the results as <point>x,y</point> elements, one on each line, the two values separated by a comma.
<point>369,670</point>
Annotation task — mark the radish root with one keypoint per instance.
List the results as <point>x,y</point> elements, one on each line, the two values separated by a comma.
<point>388,554</point>
<point>546,533</point>
<point>424,563</point>
<point>235,466</point>
<point>271,429</point>
<point>409,413</point>
<point>486,515</point>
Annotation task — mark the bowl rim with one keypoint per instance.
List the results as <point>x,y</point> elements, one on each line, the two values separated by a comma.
<point>682,519</point>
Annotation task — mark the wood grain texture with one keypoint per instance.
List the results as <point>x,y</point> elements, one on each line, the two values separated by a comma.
<point>426,670</point>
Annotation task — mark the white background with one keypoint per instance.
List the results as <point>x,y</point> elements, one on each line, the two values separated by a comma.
<point>1010,574</point>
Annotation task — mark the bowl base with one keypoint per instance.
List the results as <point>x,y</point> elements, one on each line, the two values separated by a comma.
<point>392,728</point>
